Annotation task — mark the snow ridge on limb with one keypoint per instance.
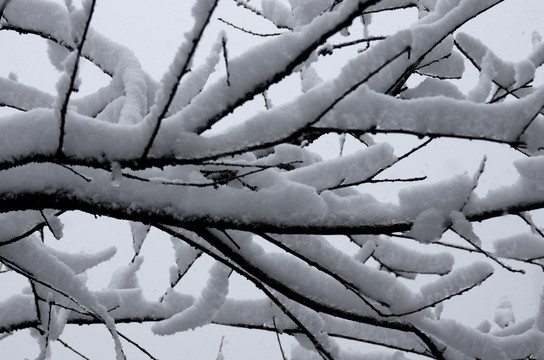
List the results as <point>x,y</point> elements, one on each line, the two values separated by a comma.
<point>22,97</point>
<point>80,262</point>
<point>401,259</point>
<point>349,169</point>
<point>283,209</point>
<point>109,133</point>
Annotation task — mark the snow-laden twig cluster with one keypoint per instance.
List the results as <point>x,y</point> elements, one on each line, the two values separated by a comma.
<point>142,151</point>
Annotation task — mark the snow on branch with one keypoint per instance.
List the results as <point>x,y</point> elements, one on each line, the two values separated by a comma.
<point>336,240</point>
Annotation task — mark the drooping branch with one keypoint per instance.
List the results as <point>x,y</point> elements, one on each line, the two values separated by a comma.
<point>260,279</point>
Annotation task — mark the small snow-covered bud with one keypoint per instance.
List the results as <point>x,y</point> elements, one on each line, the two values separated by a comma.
<point>436,311</point>
<point>116,174</point>
<point>504,316</point>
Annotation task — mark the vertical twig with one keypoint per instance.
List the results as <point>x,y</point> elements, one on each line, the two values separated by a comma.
<point>196,36</point>
<point>220,352</point>
<point>46,224</point>
<point>226,56</point>
<point>278,338</point>
<point>64,106</point>
<point>48,327</point>
<point>267,102</point>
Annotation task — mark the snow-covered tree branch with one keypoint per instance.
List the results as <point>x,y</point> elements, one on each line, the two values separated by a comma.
<point>234,171</point>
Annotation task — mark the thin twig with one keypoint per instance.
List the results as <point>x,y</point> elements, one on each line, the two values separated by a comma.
<point>87,179</point>
<point>220,181</point>
<point>529,221</point>
<point>414,179</point>
<point>245,184</point>
<point>473,250</point>
<point>220,352</point>
<point>328,50</point>
<point>138,346</point>
<point>287,165</point>
<point>48,327</point>
<point>72,349</point>
<point>246,30</point>
<point>489,255</point>
<point>47,223</point>
<point>181,275</point>
<point>64,106</point>
<point>370,179</point>
<point>414,3</point>
<point>278,338</point>
<point>35,293</point>
<point>254,10</point>
<point>226,56</point>
<point>528,123</point>
<point>475,182</point>
<point>496,98</point>
<point>231,239</point>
